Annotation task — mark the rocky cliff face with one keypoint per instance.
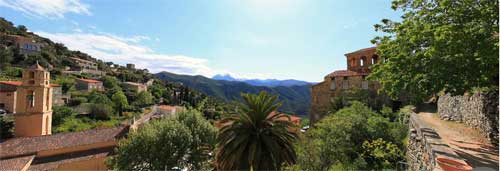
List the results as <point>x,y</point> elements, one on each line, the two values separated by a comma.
<point>478,110</point>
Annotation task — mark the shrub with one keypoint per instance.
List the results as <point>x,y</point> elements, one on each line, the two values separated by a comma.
<point>77,101</point>
<point>101,111</point>
<point>61,112</point>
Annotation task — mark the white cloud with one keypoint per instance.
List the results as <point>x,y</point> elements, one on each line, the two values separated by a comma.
<point>78,30</point>
<point>123,50</point>
<point>47,8</point>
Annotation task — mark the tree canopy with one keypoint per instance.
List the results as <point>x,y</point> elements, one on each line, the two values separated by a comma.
<point>353,138</point>
<point>445,45</point>
<point>181,142</point>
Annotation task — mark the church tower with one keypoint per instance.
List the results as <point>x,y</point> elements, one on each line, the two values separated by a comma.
<point>34,103</point>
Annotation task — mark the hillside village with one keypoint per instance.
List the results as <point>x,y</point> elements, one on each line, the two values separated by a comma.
<point>408,102</point>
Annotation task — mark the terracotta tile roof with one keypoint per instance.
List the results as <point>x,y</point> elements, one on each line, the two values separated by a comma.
<point>53,162</point>
<point>293,118</point>
<point>31,145</point>
<point>37,67</point>
<point>19,83</point>
<point>343,73</point>
<point>363,50</point>
<point>89,80</point>
<point>14,83</point>
<point>18,163</point>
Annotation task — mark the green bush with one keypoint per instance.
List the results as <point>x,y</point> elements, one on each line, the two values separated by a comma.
<point>101,111</point>
<point>77,101</point>
<point>72,124</point>
<point>336,142</point>
<point>6,125</point>
<point>61,112</point>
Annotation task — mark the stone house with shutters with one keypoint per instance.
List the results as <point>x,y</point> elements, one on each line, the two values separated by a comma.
<point>340,81</point>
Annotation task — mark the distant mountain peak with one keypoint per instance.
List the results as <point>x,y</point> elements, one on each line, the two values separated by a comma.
<point>225,77</point>
<point>262,82</point>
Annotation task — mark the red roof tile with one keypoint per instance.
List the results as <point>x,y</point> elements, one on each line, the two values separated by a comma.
<point>363,50</point>
<point>18,163</point>
<point>30,145</point>
<point>14,83</point>
<point>344,73</point>
<point>89,80</point>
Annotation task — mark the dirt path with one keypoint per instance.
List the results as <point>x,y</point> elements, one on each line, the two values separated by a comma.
<point>465,141</point>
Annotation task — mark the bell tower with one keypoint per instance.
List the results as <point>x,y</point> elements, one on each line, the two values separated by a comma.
<point>34,103</point>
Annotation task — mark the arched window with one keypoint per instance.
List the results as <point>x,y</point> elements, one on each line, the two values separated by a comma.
<point>374,59</point>
<point>363,61</point>
<point>30,98</point>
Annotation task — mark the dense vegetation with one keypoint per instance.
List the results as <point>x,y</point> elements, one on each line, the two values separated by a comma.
<point>445,45</point>
<point>183,141</point>
<point>295,98</point>
<point>354,138</point>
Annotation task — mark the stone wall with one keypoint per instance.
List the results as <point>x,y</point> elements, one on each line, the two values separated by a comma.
<point>477,110</point>
<point>425,146</point>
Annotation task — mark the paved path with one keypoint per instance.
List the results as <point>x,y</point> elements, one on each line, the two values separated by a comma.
<point>465,141</point>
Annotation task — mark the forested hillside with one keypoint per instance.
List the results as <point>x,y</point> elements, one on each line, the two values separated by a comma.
<point>296,99</point>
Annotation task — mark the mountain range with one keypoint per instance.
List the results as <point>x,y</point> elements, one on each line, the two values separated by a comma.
<point>295,98</point>
<point>262,82</point>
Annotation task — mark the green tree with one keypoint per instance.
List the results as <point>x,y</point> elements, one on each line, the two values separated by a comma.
<point>59,113</point>
<point>6,123</point>
<point>335,143</point>
<point>445,45</point>
<point>99,98</point>
<point>6,56</point>
<point>120,101</point>
<point>176,143</point>
<point>203,135</point>
<point>255,139</point>
<point>101,111</point>
<point>143,99</point>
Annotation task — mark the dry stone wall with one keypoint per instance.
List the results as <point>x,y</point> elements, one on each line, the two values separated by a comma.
<point>425,146</point>
<point>477,110</point>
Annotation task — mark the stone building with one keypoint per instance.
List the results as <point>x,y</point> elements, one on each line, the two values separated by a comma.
<point>35,148</point>
<point>135,86</point>
<point>130,66</point>
<point>338,82</point>
<point>89,85</point>
<point>84,66</point>
<point>26,45</point>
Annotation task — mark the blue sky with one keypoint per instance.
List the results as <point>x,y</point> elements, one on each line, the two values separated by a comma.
<point>283,39</point>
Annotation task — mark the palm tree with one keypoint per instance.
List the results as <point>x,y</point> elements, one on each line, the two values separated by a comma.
<point>256,139</point>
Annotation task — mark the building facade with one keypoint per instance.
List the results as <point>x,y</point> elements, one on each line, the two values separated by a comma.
<point>89,85</point>
<point>33,115</point>
<point>8,95</point>
<point>136,86</point>
<point>337,83</point>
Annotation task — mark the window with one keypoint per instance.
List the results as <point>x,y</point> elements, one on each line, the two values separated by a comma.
<point>346,78</point>
<point>364,85</point>
<point>374,59</point>
<point>363,61</point>
<point>8,94</point>
<point>32,74</point>
<point>30,99</point>
<point>345,85</point>
<point>48,95</point>
<point>333,86</point>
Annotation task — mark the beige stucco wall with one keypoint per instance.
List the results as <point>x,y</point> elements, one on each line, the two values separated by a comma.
<point>33,124</point>
<point>9,100</point>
